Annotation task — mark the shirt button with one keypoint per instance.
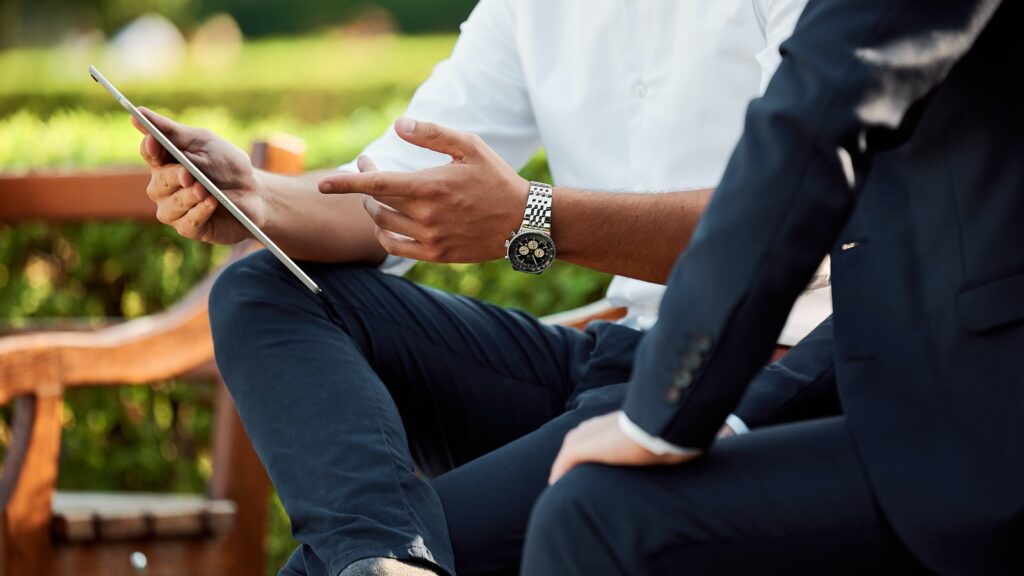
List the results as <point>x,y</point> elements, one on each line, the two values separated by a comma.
<point>640,90</point>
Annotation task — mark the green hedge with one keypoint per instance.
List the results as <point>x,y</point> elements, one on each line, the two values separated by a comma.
<point>308,79</point>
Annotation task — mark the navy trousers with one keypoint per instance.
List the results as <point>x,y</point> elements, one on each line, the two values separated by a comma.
<point>347,396</point>
<point>789,499</point>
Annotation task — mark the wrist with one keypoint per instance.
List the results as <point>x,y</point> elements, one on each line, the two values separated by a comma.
<point>530,247</point>
<point>652,444</point>
<point>519,192</point>
<point>259,205</point>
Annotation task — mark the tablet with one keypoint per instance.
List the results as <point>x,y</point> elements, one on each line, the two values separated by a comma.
<point>206,182</point>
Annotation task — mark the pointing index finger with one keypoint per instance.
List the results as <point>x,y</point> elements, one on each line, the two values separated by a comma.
<point>375,184</point>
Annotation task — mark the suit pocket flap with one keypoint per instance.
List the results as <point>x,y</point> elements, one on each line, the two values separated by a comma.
<point>993,304</point>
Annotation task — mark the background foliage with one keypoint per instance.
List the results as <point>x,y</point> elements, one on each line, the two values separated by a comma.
<point>303,79</point>
<point>38,21</point>
<point>336,93</point>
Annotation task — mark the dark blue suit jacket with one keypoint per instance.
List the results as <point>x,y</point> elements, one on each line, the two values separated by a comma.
<point>892,136</point>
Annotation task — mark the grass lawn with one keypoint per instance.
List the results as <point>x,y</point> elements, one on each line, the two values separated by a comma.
<point>308,78</point>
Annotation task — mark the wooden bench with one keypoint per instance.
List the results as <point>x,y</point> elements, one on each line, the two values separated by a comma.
<point>96,533</point>
<point>44,532</point>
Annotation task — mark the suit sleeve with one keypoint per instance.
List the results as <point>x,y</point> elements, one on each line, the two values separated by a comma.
<point>850,74</point>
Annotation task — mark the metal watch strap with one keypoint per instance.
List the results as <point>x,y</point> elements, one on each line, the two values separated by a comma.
<point>538,208</point>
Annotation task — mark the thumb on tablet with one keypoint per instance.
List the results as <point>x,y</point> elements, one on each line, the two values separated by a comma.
<point>177,133</point>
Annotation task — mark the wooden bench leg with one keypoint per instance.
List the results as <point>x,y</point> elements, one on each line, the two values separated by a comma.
<point>238,475</point>
<point>27,486</point>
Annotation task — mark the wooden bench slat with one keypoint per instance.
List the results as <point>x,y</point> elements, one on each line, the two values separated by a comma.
<point>108,516</point>
<point>78,196</point>
<point>579,317</point>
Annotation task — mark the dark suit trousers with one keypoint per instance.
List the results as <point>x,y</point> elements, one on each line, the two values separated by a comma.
<point>789,499</point>
<point>345,397</point>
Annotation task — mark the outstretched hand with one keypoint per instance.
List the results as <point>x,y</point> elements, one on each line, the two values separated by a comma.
<point>459,212</point>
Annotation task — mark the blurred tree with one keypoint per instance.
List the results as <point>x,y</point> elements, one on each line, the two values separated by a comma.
<point>116,13</point>
<point>36,22</point>
<point>45,21</point>
<point>8,22</point>
<point>262,17</point>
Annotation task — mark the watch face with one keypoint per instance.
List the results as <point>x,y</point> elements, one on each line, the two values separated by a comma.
<point>531,252</point>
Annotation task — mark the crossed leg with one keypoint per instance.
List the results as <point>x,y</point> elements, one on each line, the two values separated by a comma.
<point>790,499</point>
<point>346,397</point>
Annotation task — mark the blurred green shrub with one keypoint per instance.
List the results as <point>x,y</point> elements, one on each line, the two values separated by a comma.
<point>68,139</point>
<point>106,269</point>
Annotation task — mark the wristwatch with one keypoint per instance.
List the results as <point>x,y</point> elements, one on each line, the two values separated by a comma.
<point>531,249</point>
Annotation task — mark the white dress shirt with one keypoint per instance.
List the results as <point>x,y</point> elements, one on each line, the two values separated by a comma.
<point>624,95</point>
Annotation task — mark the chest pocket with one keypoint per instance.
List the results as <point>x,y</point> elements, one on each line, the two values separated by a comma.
<point>993,304</point>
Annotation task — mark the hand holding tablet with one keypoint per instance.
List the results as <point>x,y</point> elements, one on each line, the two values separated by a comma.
<point>226,232</point>
<point>181,202</point>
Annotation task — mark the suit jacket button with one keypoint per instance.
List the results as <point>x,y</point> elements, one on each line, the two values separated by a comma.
<point>672,394</point>
<point>683,379</point>
<point>692,360</point>
<point>702,342</point>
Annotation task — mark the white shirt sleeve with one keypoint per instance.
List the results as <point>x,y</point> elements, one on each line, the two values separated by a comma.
<point>778,19</point>
<point>658,446</point>
<point>653,444</point>
<point>737,425</point>
<point>479,89</point>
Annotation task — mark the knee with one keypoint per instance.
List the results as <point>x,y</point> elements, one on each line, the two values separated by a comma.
<point>249,280</point>
<point>576,514</point>
<point>569,506</point>
<point>257,304</point>
<point>557,502</point>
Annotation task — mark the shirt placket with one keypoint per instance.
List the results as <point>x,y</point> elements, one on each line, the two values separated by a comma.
<point>637,85</point>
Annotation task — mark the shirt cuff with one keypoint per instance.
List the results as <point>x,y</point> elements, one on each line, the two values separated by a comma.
<point>652,443</point>
<point>738,426</point>
<point>396,265</point>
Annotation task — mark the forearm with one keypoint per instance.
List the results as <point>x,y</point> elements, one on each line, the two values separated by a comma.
<point>309,225</point>
<point>634,235</point>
